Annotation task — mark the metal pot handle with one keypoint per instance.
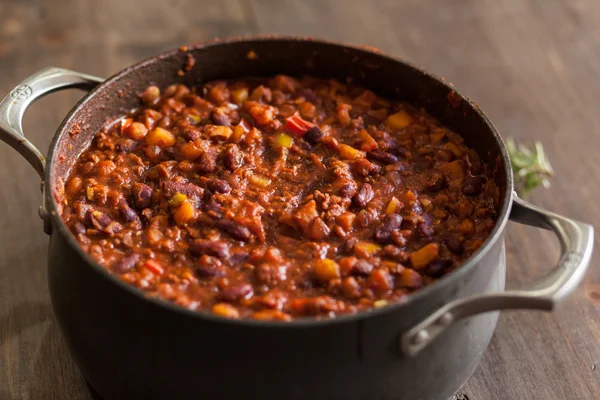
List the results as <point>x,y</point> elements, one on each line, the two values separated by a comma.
<point>576,242</point>
<point>14,105</point>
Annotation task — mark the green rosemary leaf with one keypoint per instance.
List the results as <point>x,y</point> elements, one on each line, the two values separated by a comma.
<point>531,167</point>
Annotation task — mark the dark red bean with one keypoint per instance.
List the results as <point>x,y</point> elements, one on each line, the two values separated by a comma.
<point>314,135</point>
<point>207,163</point>
<point>97,220</point>
<point>78,228</point>
<point>192,134</point>
<point>348,190</point>
<point>234,229</point>
<point>362,268</point>
<point>452,242</point>
<point>473,185</point>
<point>233,157</point>
<point>189,189</point>
<point>126,145</point>
<point>219,116</point>
<point>363,168</point>
<point>364,195</point>
<point>218,186</point>
<point>424,231</point>
<point>235,293</point>
<point>126,212</point>
<point>209,267</point>
<point>436,183</point>
<point>437,268</point>
<point>200,247</point>
<point>384,231</point>
<point>142,195</point>
<point>382,156</point>
<point>126,263</point>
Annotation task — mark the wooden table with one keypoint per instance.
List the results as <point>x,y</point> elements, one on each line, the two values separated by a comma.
<point>534,66</point>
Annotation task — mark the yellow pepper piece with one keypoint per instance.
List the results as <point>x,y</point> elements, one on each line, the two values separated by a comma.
<point>349,152</point>
<point>239,95</point>
<point>366,249</point>
<point>260,181</point>
<point>220,132</point>
<point>327,270</point>
<point>453,148</point>
<point>177,199</point>
<point>238,134</point>
<point>393,206</point>
<point>90,193</point>
<point>422,257</point>
<point>160,137</point>
<point>284,140</point>
<point>399,120</point>
<point>226,310</point>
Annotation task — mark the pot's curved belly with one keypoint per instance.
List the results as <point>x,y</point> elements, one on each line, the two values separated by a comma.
<point>127,347</point>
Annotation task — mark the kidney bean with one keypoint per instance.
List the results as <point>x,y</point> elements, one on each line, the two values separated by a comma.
<point>436,183</point>
<point>364,195</point>
<point>390,223</point>
<point>314,135</point>
<point>78,228</point>
<point>218,186</point>
<point>192,134</point>
<point>220,116</point>
<point>142,195</point>
<point>189,189</point>
<point>452,242</point>
<point>207,163</point>
<point>233,157</point>
<point>97,220</point>
<point>348,190</point>
<point>363,168</point>
<point>208,267</point>
<point>127,212</point>
<point>126,263</point>
<point>235,293</point>
<point>215,248</point>
<point>361,268</point>
<point>382,156</point>
<point>437,268</point>
<point>473,185</point>
<point>424,231</point>
<point>234,229</point>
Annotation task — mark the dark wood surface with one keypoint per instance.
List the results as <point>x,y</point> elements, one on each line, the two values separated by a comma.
<point>534,66</point>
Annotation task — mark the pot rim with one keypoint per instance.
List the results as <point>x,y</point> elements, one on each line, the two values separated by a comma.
<point>59,227</point>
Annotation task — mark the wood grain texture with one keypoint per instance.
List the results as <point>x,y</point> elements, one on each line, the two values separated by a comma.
<point>532,65</point>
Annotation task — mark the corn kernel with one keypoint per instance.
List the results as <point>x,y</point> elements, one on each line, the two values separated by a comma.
<point>195,118</point>
<point>399,120</point>
<point>349,152</point>
<point>160,137</point>
<point>327,270</point>
<point>284,140</point>
<point>177,199</point>
<point>89,191</point>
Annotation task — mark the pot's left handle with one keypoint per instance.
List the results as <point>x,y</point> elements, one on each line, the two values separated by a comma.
<point>14,105</point>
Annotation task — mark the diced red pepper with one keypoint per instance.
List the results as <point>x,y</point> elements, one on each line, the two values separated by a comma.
<point>154,267</point>
<point>295,124</point>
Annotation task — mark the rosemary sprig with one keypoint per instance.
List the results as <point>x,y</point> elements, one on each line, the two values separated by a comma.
<point>531,168</point>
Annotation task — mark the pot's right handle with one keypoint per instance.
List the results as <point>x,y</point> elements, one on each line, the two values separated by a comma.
<point>14,105</point>
<point>576,242</point>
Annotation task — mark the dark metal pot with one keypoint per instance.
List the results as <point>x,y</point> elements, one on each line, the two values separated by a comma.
<point>128,346</point>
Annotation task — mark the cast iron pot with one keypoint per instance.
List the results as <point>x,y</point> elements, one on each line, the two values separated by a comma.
<point>129,346</point>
